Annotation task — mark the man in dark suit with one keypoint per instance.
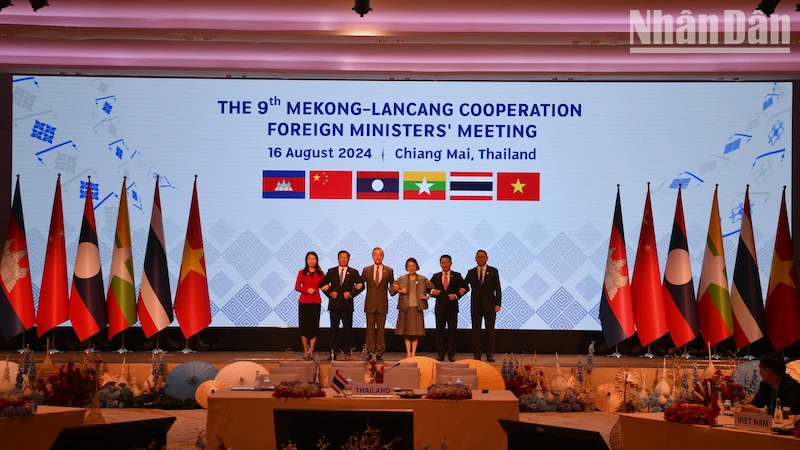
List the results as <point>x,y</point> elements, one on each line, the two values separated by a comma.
<point>377,280</point>
<point>484,281</point>
<point>775,384</point>
<point>448,288</point>
<point>340,285</point>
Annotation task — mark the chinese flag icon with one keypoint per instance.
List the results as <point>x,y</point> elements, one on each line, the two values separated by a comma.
<point>331,184</point>
<point>520,186</point>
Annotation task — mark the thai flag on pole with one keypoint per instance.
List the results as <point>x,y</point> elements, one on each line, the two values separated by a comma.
<point>338,382</point>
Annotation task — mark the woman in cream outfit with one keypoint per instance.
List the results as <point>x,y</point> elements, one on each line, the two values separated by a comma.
<point>414,290</point>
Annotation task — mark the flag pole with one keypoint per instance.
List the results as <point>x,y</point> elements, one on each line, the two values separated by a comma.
<point>685,354</point>
<point>187,350</point>
<point>123,349</point>
<point>716,355</point>
<point>54,350</point>
<point>22,350</point>
<point>158,348</point>
<point>748,356</point>
<point>648,354</point>
<point>616,353</point>
<point>89,349</point>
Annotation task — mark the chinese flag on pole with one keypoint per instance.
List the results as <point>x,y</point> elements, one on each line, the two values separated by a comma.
<point>54,294</point>
<point>192,303</point>
<point>648,302</point>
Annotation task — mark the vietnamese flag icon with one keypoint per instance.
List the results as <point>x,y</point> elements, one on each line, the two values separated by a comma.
<point>518,186</point>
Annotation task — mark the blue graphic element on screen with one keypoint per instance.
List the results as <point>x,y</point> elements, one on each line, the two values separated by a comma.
<point>776,132</point>
<point>43,132</point>
<point>95,190</point>
<point>734,144</point>
<point>20,80</point>
<point>49,149</point>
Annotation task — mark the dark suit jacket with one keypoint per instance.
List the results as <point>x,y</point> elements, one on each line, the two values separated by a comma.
<point>487,295</point>
<point>788,392</point>
<point>350,280</point>
<point>443,304</point>
<point>377,297</point>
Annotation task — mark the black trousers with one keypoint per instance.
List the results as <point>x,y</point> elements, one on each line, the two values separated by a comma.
<point>341,341</point>
<point>489,318</point>
<point>446,324</point>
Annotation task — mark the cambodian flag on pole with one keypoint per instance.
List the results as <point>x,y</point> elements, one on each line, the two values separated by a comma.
<point>16,291</point>
<point>616,307</point>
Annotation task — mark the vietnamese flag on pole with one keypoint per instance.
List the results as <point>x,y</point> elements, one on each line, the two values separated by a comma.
<point>16,292</point>
<point>331,185</point>
<point>783,300</point>
<point>192,303</point>
<point>54,293</point>
<point>520,186</point>
<point>648,301</point>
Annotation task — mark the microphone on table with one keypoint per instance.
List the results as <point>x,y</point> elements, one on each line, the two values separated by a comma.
<point>390,368</point>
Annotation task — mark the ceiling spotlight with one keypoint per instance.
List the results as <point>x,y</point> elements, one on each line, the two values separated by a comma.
<point>767,6</point>
<point>38,4</point>
<point>362,7</point>
<point>5,3</point>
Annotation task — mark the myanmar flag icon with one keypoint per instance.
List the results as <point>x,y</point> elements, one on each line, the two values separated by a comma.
<point>424,185</point>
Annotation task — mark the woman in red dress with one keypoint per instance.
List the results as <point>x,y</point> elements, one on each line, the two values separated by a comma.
<point>307,285</point>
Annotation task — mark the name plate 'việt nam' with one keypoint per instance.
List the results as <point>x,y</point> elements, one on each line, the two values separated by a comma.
<point>373,390</point>
<point>752,421</point>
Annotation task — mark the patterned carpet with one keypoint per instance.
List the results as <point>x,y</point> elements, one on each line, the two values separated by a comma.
<point>184,432</point>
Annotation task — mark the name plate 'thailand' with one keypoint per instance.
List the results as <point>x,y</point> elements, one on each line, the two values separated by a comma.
<point>373,390</point>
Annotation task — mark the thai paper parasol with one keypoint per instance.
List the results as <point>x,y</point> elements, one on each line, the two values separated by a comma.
<point>607,398</point>
<point>792,368</point>
<point>182,381</point>
<point>488,376</point>
<point>207,388</point>
<point>240,374</point>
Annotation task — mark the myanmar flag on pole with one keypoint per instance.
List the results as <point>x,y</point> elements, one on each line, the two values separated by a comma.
<point>424,185</point>
<point>783,300</point>
<point>616,307</point>
<point>192,304</point>
<point>54,293</point>
<point>87,303</point>
<point>155,298</point>
<point>121,291</point>
<point>714,302</point>
<point>678,289</point>
<point>16,292</point>
<point>747,303</point>
<point>648,302</point>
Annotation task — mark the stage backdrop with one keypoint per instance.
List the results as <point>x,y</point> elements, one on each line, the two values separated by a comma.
<point>282,170</point>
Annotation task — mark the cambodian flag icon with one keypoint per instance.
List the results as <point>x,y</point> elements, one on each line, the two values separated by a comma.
<point>284,184</point>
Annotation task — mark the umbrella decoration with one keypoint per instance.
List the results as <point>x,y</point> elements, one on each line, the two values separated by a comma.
<point>240,374</point>
<point>608,398</point>
<point>182,381</point>
<point>207,388</point>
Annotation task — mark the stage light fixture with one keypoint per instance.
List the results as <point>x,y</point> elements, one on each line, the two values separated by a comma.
<point>768,6</point>
<point>5,3</point>
<point>362,7</point>
<point>38,4</point>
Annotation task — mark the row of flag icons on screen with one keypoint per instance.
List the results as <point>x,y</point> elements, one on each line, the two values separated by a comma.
<point>338,185</point>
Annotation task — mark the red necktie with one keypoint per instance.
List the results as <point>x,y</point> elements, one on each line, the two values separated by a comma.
<point>446,281</point>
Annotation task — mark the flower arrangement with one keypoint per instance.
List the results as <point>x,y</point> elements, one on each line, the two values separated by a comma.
<point>443,391</point>
<point>69,387</point>
<point>651,402</point>
<point>118,396</point>
<point>569,402</point>
<point>298,389</point>
<point>374,372</point>
<point>16,406</point>
<point>27,372</point>
<point>689,413</point>
<point>724,385</point>
<point>797,429</point>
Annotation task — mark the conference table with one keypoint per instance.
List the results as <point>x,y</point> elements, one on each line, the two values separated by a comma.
<point>649,431</point>
<point>244,419</point>
<point>40,430</point>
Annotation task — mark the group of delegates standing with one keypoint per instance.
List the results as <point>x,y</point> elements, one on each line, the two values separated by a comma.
<point>341,284</point>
